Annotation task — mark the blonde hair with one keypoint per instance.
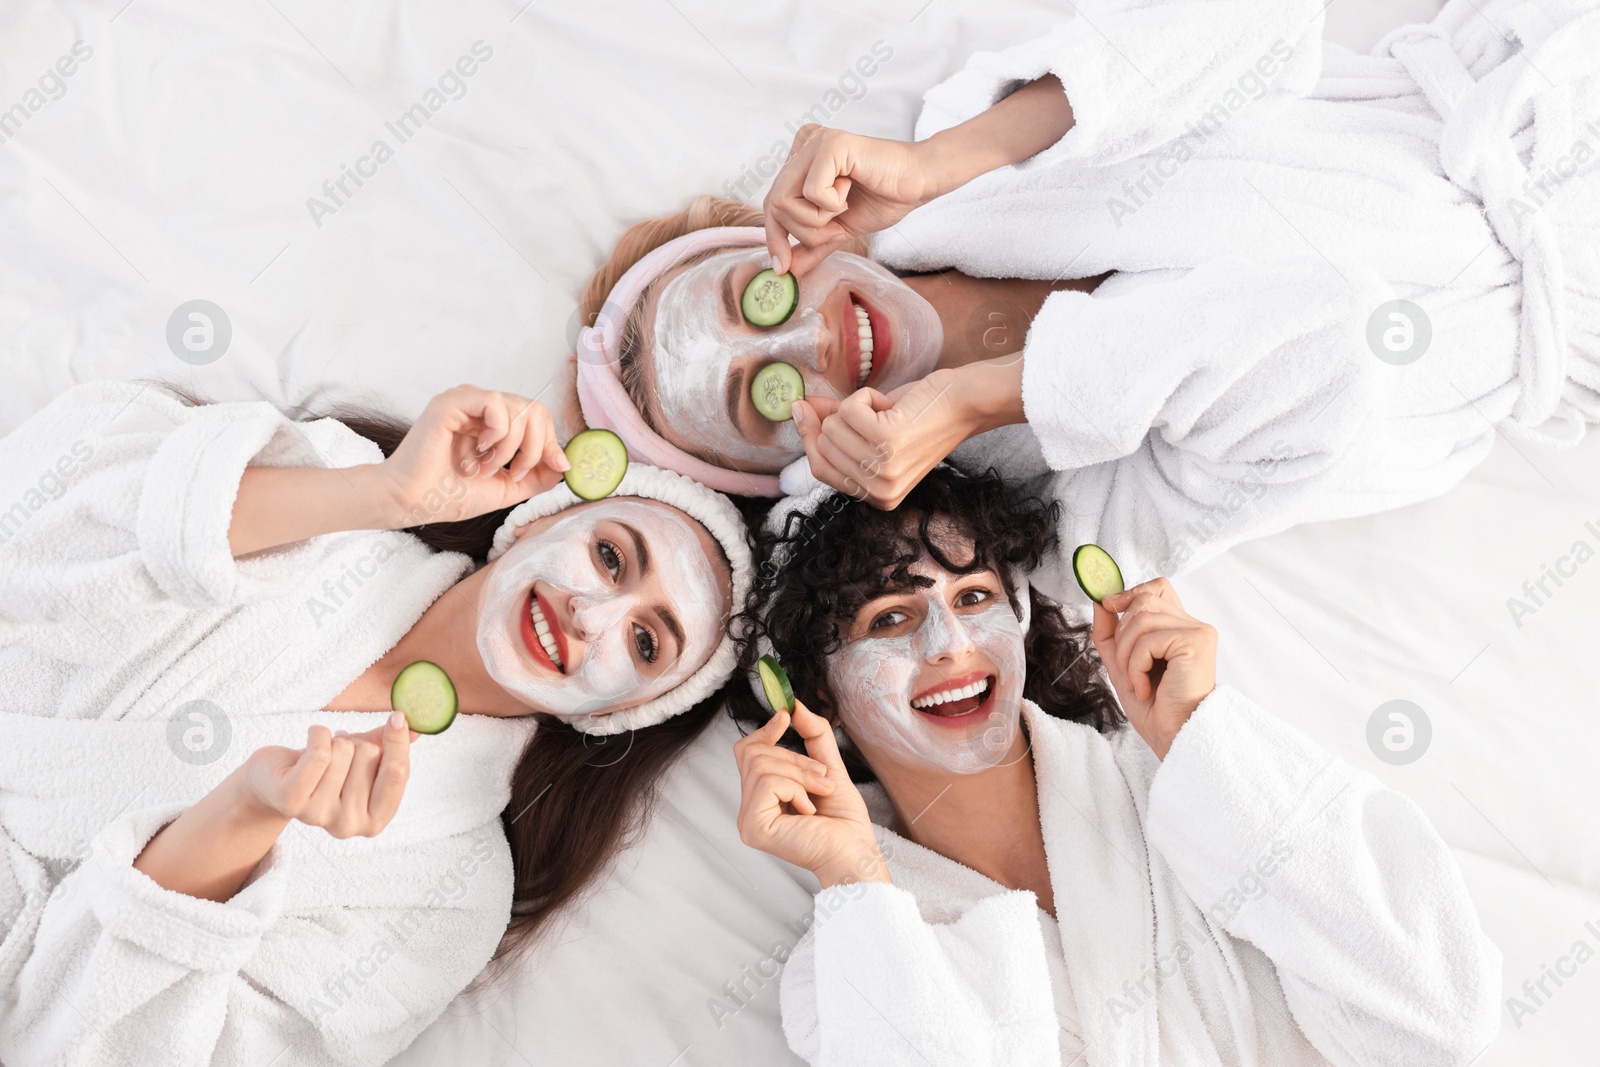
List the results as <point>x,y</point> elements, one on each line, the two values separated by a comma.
<point>703,213</point>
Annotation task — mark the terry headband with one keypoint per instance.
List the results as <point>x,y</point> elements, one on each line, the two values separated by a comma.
<point>607,405</point>
<point>721,519</point>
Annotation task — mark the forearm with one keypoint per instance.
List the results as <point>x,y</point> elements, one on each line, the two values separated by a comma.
<point>281,505</point>
<point>211,849</point>
<point>1019,127</point>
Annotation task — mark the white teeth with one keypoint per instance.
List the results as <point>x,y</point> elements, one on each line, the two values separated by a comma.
<point>948,695</point>
<point>864,333</point>
<point>541,630</point>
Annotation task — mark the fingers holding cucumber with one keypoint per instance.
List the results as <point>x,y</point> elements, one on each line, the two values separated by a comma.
<point>471,451</point>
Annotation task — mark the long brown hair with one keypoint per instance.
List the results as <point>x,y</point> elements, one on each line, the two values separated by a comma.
<point>576,800</point>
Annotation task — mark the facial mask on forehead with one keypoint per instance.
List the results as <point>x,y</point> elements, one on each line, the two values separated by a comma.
<point>875,678</point>
<point>694,346</point>
<point>562,559</point>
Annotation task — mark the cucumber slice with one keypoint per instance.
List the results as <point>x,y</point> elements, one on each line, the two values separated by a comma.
<point>774,389</point>
<point>775,683</point>
<point>599,460</point>
<point>424,694</point>
<point>770,298</point>
<point>1096,572</point>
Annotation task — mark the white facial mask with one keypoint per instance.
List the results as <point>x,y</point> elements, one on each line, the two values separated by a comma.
<point>696,347</point>
<point>874,679</point>
<point>562,559</point>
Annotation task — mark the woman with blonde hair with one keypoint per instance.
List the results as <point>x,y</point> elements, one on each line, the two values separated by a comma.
<point>1201,274</point>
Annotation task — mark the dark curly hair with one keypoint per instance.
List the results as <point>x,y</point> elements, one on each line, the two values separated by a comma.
<point>819,571</point>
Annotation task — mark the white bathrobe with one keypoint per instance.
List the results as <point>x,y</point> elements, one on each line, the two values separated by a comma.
<point>1250,901</point>
<point>1262,194</point>
<point>120,604</point>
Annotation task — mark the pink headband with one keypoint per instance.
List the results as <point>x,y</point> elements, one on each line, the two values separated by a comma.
<point>607,405</point>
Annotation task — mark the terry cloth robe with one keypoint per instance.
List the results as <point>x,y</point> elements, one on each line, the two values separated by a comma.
<point>1263,195</point>
<point>1250,901</point>
<point>139,665</point>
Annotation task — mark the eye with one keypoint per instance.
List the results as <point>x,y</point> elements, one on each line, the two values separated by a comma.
<point>645,643</point>
<point>972,597</point>
<point>887,621</point>
<point>610,557</point>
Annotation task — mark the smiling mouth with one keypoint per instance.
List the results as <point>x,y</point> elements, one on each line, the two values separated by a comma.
<point>865,337</point>
<point>544,642</point>
<point>956,701</point>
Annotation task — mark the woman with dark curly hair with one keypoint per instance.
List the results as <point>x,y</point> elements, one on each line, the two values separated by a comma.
<point>1015,870</point>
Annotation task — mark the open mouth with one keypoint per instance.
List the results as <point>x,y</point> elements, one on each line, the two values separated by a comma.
<point>864,336</point>
<point>545,643</point>
<point>958,700</point>
<point>878,343</point>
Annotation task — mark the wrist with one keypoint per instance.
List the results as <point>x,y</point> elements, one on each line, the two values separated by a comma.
<point>382,500</point>
<point>990,393</point>
<point>950,159</point>
<point>243,807</point>
<point>865,865</point>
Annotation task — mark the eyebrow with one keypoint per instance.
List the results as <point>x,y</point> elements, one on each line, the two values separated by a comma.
<point>727,298</point>
<point>670,621</point>
<point>641,553</point>
<point>733,393</point>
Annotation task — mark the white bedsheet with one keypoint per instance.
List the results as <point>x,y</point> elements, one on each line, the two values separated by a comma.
<point>177,162</point>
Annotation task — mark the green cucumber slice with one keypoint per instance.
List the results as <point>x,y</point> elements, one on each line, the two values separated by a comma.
<point>775,684</point>
<point>1096,572</point>
<point>770,298</point>
<point>424,694</point>
<point>599,460</point>
<point>774,389</point>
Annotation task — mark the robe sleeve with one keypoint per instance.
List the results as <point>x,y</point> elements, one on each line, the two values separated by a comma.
<point>873,982</point>
<point>107,968</point>
<point>1342,883</point>
<point>1140,72</point>
<point>1191,412</point>
<point>120,496</point>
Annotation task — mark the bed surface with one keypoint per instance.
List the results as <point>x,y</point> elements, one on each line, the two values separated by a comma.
<point>181,159</point>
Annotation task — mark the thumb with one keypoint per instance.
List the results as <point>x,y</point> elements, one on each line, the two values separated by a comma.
<point>805,257</point>
<point>808,423</point>
<point>817,733</point>
<point>821,406</point>
<point>554,456</point>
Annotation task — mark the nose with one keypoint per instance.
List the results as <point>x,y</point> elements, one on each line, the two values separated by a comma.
<point>943,636</point>
<point>593,616</point>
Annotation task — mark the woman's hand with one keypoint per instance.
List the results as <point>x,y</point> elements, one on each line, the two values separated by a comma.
<point>877,447</point>
<point>1161,660</point>
<point>836,186</point>
<point>452,464</point>
<point>348,784</point>
<point>803,810</point>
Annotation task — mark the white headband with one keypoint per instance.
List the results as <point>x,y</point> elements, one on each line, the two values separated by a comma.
<point>721,519</point>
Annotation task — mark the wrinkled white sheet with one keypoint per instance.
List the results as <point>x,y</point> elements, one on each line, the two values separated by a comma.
<point>177,161</point>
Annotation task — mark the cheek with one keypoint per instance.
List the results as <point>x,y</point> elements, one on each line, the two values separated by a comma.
<point>872,680</point>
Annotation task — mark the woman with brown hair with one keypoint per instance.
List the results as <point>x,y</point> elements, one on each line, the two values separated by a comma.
<point>220,843</point>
